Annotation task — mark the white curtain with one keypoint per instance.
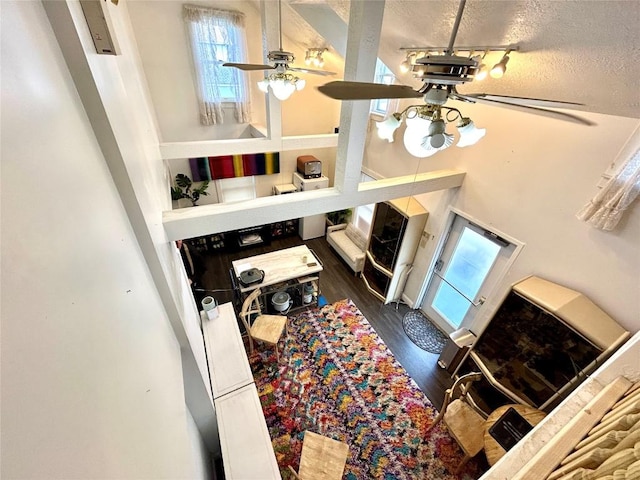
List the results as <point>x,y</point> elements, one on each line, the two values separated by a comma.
<point>606,208</point>
<point>217,36</point>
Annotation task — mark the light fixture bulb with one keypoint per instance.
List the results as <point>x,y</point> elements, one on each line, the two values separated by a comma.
<point>263,85</point>
<point>282,85</point>
<point>469,133</point>
<point>414,137</point>
<point>405,66</point>
<point>387,127</point>
<point>307,60</point>
<point>436,137</point>
<point>282,88</point>
<point>499,68</point>
<point>483,71</point>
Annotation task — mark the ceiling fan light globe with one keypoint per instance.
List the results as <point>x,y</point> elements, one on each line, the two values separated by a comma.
<point>300,83</point>
<point>405,66</point>
<point>263,85</point>
<point>387,127</point>
<point>414,140</point>
<point>469,133</point>
<point>282,89</point>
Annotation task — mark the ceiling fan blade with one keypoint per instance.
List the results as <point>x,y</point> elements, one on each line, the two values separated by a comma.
<point>526,101</point>
<point>248,66</point>
<point>366,91</point>
<point>527,109</point>
<point>310,70</point>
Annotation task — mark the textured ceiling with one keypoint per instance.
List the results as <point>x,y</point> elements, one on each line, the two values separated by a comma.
<point>580,51</point>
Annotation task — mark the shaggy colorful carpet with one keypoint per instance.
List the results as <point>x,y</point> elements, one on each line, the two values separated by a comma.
<point>336,377</point>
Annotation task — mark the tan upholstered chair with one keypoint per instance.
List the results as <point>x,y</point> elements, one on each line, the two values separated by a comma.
<point>263,328</point>
<point>463,421</point>
<point>322,458</point>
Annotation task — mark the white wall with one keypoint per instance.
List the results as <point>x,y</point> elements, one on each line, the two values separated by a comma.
<point>527,178</point>
<point>92,382</point>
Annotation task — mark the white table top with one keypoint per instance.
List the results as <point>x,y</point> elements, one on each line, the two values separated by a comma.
<point>244,439</point>
<point>279,266</point>
<point>228,364</point>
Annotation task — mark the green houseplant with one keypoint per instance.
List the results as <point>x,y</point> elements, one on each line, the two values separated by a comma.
<point>184,188</point>
<point>339,216</point>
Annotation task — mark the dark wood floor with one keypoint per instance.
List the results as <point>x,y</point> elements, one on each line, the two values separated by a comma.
<point>337,281</point>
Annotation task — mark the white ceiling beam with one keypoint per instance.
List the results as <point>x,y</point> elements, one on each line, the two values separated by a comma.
<point>271,41</point>
<point>171,150</point>
<point>324,20</point>
<point>207,219</point>
<point>365,24</point>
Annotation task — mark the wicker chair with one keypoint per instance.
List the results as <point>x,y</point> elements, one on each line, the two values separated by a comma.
<point>463,421</point>
<point>263,328</point>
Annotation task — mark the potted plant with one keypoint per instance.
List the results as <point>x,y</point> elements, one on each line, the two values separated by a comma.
<point>184,188</point>
<point>339,216</point>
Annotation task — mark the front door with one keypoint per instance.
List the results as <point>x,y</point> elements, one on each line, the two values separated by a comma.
<point>470,262</point>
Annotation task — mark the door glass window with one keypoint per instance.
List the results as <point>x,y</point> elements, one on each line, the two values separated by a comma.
<point>471,261</point>
<point>468,267</point>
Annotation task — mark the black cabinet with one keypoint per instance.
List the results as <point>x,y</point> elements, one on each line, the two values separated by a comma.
<point>207,243</point>
<point>285,228</point>
<point>387,231</point>
<point>216,242</point>
<point>395,233</point>
<point>244,238</point>
<point>376,280</point>
<point>198,244</point>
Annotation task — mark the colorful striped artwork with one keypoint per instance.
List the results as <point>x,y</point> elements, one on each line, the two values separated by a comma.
<point>229,166</point>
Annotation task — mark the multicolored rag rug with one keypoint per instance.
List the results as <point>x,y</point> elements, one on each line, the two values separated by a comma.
<point>336,377</point>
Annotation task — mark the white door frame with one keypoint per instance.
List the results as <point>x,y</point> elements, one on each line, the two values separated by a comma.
<point>478,323</point>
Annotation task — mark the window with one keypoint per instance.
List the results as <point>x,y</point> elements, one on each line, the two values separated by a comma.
<point>218,36</point>
<point>381,106</point>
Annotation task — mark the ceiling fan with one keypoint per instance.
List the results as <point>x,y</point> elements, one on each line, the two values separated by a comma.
<point>282,83</point>
<point>441,74</point>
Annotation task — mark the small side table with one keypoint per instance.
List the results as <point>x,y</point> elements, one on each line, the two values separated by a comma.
<point>492,449</point>
<point>322,458</point>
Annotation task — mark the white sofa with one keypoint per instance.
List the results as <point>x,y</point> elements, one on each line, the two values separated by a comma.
<point>350,243</point>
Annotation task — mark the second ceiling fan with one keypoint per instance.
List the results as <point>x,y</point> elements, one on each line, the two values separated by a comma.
<point>282,83</point>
